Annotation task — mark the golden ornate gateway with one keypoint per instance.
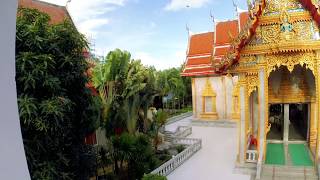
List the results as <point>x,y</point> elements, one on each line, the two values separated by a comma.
<point>284,47</point>
<point>275,54</point>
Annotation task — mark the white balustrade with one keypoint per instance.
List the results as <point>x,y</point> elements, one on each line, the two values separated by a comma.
<point>183,131</point>
<point>252,156</point>
<point>193,146</point>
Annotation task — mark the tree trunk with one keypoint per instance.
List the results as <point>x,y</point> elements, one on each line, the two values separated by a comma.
<point>183,102</point>
<point>116,168</point>
<point>156,140</point>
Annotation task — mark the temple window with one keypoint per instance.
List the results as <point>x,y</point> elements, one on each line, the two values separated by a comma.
<point>209,102</point>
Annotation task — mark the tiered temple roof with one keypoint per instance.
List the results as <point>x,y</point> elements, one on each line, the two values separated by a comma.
<point>206,48</point>
<point>228,40</point>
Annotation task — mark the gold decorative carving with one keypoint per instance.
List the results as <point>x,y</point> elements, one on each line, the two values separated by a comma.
<point>235,102</point>
<point>248,59</point>
<point>208,94</point>
<point>273,6</point>
<point>291,46</point>
<point>290,92</point>
<point>270,33</point>
<point>252,83</point>
<point>299,31</point>
<point>208,91</point>
<point>289,60</point>
<point>313,127</point>
<point>295,17</point>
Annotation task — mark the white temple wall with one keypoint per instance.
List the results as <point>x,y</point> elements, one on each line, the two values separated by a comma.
<point>223,87</point>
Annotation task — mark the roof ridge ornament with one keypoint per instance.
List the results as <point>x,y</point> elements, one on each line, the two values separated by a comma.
<point>236,8</point>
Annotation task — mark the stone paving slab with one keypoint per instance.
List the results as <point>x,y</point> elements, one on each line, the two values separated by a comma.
<point>216,159</point>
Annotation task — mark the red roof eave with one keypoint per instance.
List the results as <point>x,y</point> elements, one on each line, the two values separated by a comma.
<point>313,9</point>
<point>235,50</point>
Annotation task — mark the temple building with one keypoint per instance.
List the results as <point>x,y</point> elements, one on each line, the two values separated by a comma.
<point>261,70</point>
<point>57,13</point>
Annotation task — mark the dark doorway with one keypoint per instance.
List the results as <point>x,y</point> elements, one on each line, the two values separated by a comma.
<point>298,125</point>
<point>276,120</point>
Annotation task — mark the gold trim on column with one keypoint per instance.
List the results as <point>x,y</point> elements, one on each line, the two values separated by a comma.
<point>236,102</point>
<point>313,127</point>
<point>317,79</point>
<point>266,112</point>
<point>194,95</point>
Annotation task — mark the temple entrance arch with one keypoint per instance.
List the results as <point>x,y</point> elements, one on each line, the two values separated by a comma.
<point>291,99</point>
<point>291,96</point>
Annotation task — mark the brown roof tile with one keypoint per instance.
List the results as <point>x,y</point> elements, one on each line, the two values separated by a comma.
<point>201,44</point>
<point>57,13</point>
<point>224,30</point>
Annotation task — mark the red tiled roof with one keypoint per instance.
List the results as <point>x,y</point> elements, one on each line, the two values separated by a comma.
<point>204,49</point>
<point>199,57</point>
<point>57,13</point>
<point>201,71</point>
<point>199,60</point>
<point>201,43</point>
<point>222,50</point>
<point>224,30</point>
<point>243,18</point>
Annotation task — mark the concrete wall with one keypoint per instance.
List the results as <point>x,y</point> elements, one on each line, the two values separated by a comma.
<point>13,164</point>
<point>223,87</point>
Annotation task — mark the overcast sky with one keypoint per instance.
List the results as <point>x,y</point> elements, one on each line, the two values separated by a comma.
<point>151,30</point>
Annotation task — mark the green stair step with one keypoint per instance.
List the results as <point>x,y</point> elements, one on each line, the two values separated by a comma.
<point>299,155</point>
<point>275,154</point>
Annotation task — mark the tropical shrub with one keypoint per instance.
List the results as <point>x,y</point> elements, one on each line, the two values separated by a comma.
<point>153,177</point>
<point>56,109</point>
<point>136,152</point>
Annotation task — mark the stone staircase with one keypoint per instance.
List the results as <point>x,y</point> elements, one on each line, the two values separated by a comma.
<point>274,172</point>
<point>168,136</point>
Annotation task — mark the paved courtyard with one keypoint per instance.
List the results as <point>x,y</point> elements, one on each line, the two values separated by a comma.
<point>216,158</point>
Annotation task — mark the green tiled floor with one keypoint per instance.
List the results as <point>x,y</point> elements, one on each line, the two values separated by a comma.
<point>299,155</point>
<point>275,154</point>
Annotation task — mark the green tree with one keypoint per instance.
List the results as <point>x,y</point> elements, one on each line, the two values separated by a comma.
<point>136,151</point>
<point>56,110</point>
<point>133,88</point>
<point>160,121</point>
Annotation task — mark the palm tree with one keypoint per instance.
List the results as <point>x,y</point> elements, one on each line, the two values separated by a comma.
<point>105,86</point>
<point>160,120</point>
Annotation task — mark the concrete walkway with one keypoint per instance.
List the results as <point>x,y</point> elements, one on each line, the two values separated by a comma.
<point>216,158</point>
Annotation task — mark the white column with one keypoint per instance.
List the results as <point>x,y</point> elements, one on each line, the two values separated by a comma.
<point>261,121</point>
<point>242,125</point>
<point>13,163</point>
<point>286,123</point>
<point>262,111</point>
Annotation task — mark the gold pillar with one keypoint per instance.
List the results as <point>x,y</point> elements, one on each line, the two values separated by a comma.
<point>194,99</point>
<point>317,79</point>
<point>313,126</point>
